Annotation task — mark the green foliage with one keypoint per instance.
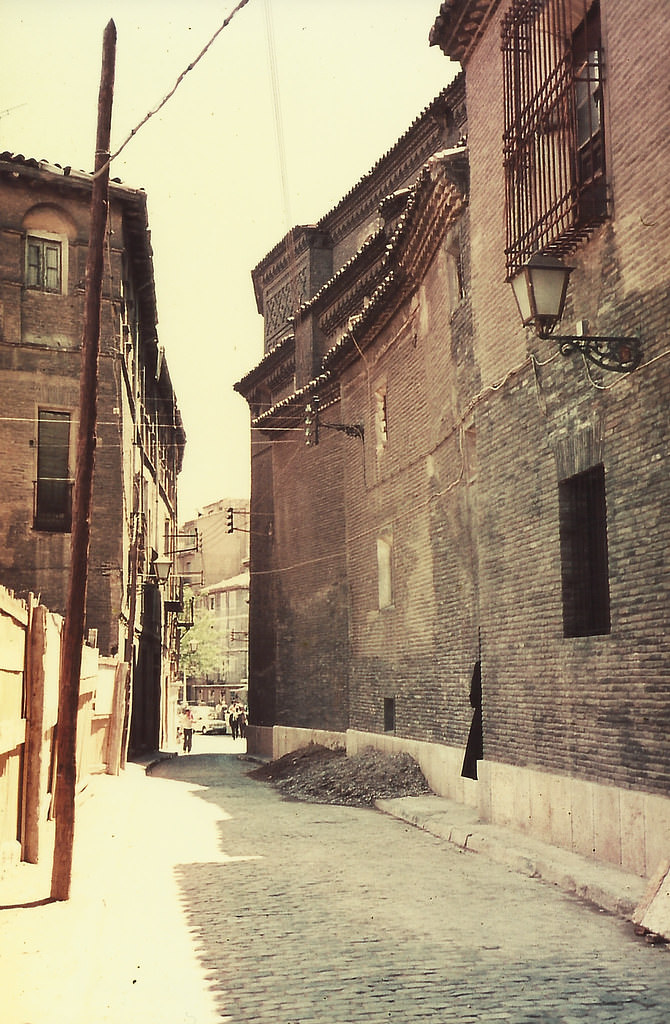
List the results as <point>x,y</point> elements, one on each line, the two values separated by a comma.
<point>202,647</point>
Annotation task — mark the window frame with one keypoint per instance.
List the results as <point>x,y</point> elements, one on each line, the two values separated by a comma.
<point>381,418</point>
<point>52,502</point>
<point>584,554</point>
<point>385,588</point>
<point>45,241</point>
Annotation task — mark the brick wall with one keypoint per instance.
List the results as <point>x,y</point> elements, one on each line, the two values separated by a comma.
<point>484,421</point>
<point>592,706</point>
<point>40,340</point>
<point>420,651</point>
<point>39,367</point>
<point>310,583</point>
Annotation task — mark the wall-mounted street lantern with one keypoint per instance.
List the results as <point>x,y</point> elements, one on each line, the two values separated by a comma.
<point>162,567</point>
<point>540,288</point>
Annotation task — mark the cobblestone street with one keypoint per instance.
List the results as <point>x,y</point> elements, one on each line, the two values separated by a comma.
<point>201,895</point>
<point>347,916</point>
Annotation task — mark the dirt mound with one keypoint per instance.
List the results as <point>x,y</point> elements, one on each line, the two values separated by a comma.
<point>320,775</point>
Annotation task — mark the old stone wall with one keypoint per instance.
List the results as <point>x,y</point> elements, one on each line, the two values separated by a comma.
<point>311,584</point>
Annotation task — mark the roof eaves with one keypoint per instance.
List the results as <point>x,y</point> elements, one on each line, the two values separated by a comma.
<point>292,400</point>
<point>273,356</point>
<point>395,278</point>
<point>459,24</point>
<point>365,248</point>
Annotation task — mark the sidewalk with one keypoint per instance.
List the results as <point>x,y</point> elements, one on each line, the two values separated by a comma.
<point>120,949</point>
<point>603,885</point>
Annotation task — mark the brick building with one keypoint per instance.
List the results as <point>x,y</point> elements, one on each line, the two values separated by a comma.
<point>299,630</point>
<point>497,512</point>
<point>44,225</point>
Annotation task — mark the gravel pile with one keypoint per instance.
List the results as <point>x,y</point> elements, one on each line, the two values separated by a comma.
<point>320,775</point>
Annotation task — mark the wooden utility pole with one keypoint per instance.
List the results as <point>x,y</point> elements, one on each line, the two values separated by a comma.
<point>73,630</point>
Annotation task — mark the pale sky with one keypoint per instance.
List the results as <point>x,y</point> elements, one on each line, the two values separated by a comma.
<point>353,75</point>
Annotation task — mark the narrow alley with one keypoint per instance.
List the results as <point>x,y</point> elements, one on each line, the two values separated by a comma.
<point>212,898</point>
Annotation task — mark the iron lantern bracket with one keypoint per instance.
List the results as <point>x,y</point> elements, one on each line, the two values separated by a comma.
<point>350,429</point>
<point>609,352</point>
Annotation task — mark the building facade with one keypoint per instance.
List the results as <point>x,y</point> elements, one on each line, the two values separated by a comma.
<point>226,605</point>
<point>470,564</point>
<point>214,545</point>
<point>44,226</point>
<point>213,563</point>
<point>300,624</point>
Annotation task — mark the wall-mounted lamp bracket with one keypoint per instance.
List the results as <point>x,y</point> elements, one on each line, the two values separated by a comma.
<point>540,287</point>
<point>313,423</point>
<point>610,353</point>
<point>350,429</point>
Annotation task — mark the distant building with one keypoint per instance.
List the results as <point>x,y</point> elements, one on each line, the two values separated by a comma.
<point>44,226</point>
<point>213,565</point>
<point>228,603</point>
<point>208,549</point>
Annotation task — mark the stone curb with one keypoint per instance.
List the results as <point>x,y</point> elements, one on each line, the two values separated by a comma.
<point>149,762</point>
<point>604,886</point>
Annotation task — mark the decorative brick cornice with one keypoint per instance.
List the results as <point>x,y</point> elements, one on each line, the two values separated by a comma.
<point>285,258</point>
<point>459,24</point>
<point>437,200</point>
<point>273,369</point>
<point>291,409</point>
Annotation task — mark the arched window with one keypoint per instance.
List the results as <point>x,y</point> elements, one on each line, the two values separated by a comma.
<point>48,231</point>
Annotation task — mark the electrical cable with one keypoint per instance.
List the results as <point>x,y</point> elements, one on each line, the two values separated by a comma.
<point>172,91</point>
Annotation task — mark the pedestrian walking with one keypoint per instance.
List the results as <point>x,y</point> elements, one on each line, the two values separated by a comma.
<point>187,729</point>
<point>242,723</point>
<point>232,722</point>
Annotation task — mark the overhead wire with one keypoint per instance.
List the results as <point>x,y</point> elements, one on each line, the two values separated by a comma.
<point>281,154</point>
<point>170,94</point>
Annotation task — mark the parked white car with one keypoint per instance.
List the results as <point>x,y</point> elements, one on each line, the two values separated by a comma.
<point>205,720</point>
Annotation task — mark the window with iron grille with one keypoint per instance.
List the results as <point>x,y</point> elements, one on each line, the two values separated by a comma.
<point>43,264</point>
<point>584,555</point>
<point>554,154</point>
<point>53,491</point>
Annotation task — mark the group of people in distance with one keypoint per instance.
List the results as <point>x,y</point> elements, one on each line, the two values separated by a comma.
<point>235,717</point>
<point>237,720</point>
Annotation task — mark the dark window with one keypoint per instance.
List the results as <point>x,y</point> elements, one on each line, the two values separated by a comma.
<point>389,714</point>
<point>554,152</point>
<point>53,498</point>
<point>584,562</point>
<point>43,264</point>
<point>587,65</point>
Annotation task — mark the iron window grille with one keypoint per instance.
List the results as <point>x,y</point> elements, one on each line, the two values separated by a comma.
<point>553,142</point>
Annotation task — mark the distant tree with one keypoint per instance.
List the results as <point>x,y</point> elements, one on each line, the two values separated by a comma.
<point>202,646</point>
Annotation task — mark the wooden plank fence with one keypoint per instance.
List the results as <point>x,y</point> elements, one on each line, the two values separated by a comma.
<point>30,646</point>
